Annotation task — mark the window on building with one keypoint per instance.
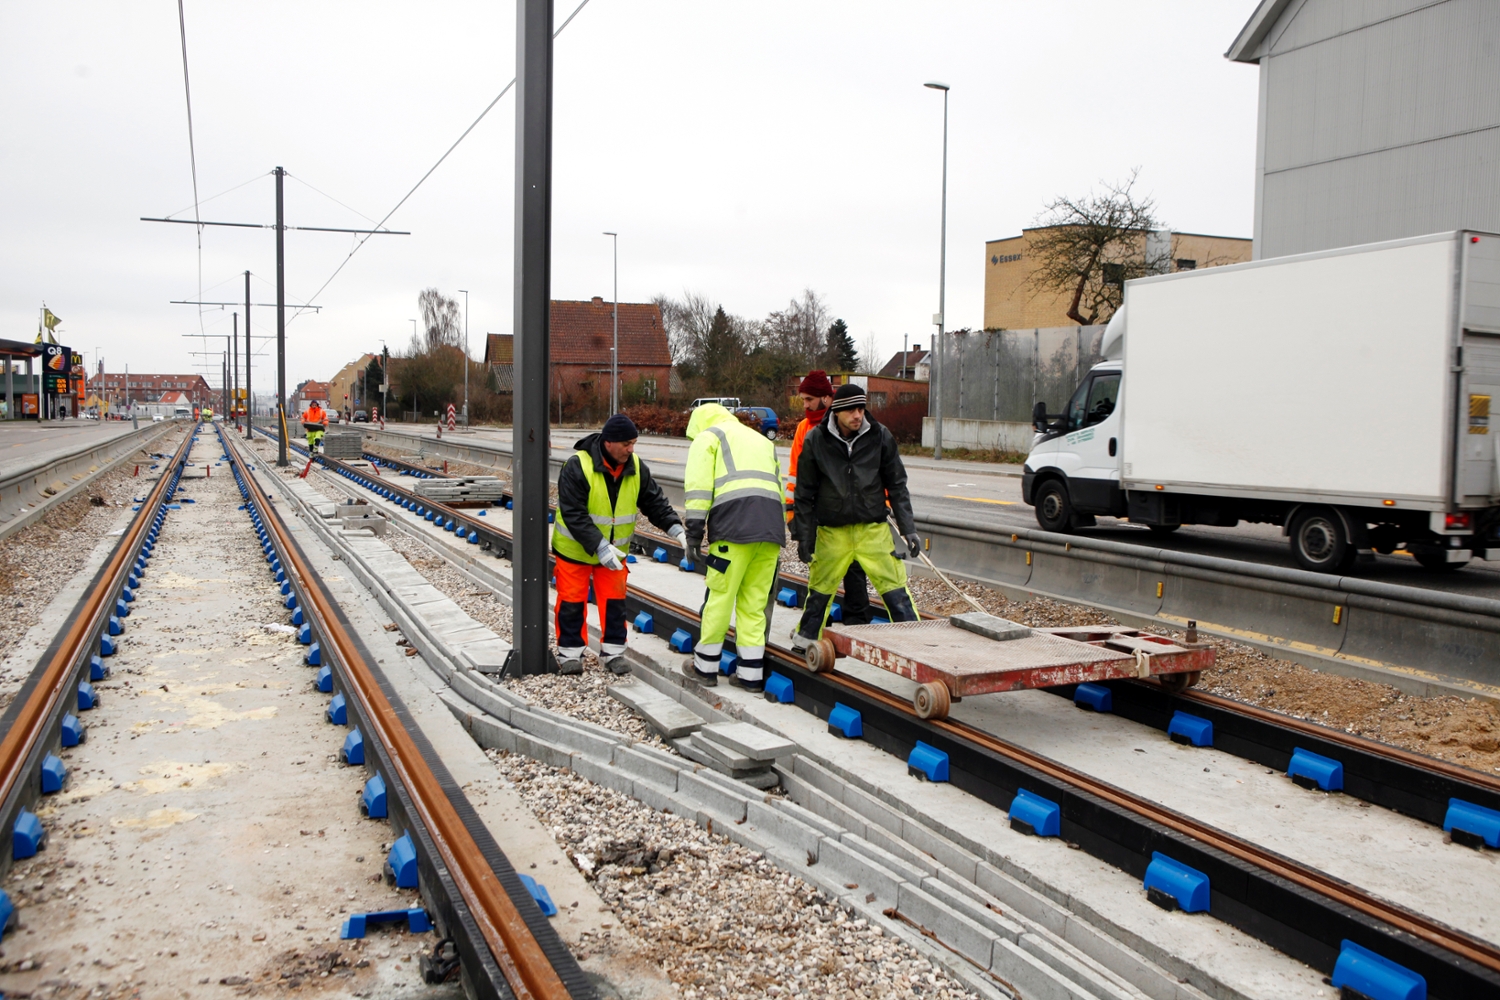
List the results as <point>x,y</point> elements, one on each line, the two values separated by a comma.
<point>1186,264</point>
<point>877,400</point>
<point>648,386</point>
<point>908,397</point>
<point>1114,274</point>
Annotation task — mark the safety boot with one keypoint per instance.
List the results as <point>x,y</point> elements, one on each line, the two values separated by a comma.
<point>691,673</point>
<point>617,664</point>
<point>811,625</point>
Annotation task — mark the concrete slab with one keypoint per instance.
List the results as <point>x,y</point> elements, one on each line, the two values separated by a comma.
<point>668,717</point>
<point>723,755</point>
<point>751,741</point>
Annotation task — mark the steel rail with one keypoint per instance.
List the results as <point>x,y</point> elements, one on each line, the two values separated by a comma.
<point>50,680</point>
<point>516,951</point>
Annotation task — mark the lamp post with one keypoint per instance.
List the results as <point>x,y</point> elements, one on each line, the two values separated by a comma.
<point>936,388</point>
<point>614,352</point>
<point>465,292</point>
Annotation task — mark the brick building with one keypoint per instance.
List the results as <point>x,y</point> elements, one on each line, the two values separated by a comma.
<point>150,389</point>
<point>304,394</point>
<point>582,334</point>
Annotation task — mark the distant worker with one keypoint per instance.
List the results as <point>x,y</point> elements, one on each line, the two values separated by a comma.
<point>817,393</point>
<point>850,470</point>
<point>732,488</point>
<point>315,422</point>
<point>599,491</point>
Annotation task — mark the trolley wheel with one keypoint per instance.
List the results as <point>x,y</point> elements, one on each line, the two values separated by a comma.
<point>1178,683</point>
<point>820,655</point>
<point>931,700</point>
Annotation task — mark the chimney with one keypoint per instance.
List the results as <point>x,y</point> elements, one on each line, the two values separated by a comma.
<point>598,300</point>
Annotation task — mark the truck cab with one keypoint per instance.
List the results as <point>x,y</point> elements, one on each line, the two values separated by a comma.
<point>1073,470</point>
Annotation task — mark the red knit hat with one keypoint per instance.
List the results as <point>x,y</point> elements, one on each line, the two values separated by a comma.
<point>816,384</point>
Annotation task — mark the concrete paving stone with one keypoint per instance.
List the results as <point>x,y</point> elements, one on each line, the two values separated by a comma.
<point>456,636</point>
<point>740,784</point>
<point>462,710</point>
<point>903,868</point>
<point>853,868</point>
<point>967,937</point>
<point>492,734</point>
<point>635,693</point>
<point>821,804</point>
<point>479,696</point>
<point>805,816</point>
<point>566,737</point>
<point>891,842</point>
<point>685,747</point>
<point>1089,980</point>
<point>724,755</point>
<point>743,834</point>
<point>638,760</point>
<point>603,774</point>
<point>664,714</point>
<point>540,749</point>
<point>582,724</point>
<point>751,741</point>
<point>1127,963</point>
<point>876,812</point>
<point>925,839</point>
<point>783,828</point>
<point>441,616</point>
<point>711,795</point>
<point>1033,978</point>
<point>488,656</point>
<point>659,798</point>
<point>1027,902</point>
<point>975,909</point>
<point>818,777</point>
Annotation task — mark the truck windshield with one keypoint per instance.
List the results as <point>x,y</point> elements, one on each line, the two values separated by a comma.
<point>1094,400</point>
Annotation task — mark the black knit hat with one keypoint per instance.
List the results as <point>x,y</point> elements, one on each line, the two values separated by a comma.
<point>849,397</point>
<point>619,428</point>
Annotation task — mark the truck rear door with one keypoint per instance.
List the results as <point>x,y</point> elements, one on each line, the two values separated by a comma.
<point>1477,483</point>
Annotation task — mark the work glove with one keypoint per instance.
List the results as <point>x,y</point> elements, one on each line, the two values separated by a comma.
<point>609,556</point>
<point>694,537</point>
<point>805,547</point>
<point>913,543</point>
<point>678,534</point>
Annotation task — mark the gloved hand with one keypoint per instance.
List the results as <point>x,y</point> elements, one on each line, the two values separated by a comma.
<point>805,549</point>
<point>913,543</point>
<point>609,556</point>
<point>678,534</point>
<point>694,537</point>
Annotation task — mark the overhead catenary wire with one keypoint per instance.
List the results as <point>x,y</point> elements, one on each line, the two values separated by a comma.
<point>489,107</point>
<point>187,93</point>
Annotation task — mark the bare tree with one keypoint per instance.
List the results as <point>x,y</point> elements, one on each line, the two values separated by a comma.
<point>799,330</point>
<point>687,321</point>
<point>442,323</point>
<point>870,358</point>
<point>1089,247</point>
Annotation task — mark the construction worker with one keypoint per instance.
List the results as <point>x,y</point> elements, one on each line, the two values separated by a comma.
<point>817,393</point>
<point>315,422</point>
<point>601,488</point>
<point>732,488</point>
<point>850,470</point>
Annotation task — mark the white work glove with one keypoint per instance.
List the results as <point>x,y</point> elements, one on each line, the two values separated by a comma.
<point>678,534</point>
<point>609,556</point>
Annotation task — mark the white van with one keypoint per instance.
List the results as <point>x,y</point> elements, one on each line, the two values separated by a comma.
<point>728,402</point>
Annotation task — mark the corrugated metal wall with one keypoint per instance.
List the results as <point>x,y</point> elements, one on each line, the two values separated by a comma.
<point>1382,120</point>
<point>1001,374</point>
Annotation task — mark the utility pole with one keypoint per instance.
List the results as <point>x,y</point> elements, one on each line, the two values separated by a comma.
<point>234,354</point>
<point>533,293</point>
<point>466,355</point>
<point>614,352</point>
<point>280,324</point>
<point>249,396</point>
<point>935,390</point>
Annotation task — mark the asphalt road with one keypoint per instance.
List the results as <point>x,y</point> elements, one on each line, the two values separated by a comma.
<point>989,496</point>
<point>25,443</point>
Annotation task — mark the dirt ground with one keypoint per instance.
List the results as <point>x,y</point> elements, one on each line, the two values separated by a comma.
<point>1463,731</point>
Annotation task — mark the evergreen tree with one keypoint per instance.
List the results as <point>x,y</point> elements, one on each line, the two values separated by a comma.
<point>840,354</point>
<point>723,352</point>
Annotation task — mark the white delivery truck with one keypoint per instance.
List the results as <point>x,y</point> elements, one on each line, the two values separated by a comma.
<point>1343,395</point>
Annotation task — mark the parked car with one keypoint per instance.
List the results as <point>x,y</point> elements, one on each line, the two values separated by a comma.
<point>728,402</point>
<point>361,417</point>
<point>764,419</point>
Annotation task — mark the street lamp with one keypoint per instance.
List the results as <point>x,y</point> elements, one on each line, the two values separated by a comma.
<point>465,292</point>
<point>936,378</point>
<point>614,352</point>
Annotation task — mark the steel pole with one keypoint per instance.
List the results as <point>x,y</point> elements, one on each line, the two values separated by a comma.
<point>614,354</point>
<point>249,396</point>
<point>937,355</point>
<point>280,325</point>
<point>533,254</point>
<point>466,356</point>
<point>234,354</point>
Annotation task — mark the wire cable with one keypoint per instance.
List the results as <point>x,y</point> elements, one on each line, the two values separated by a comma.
<point>439,163</point>
<point>221,194</point>
<point>187,93</point>
<point>330,197</point>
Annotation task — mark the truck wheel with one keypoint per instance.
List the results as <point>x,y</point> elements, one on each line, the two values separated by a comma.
<point>1319,541</point>
<point>1437,561</point>
<point>1054,511</point>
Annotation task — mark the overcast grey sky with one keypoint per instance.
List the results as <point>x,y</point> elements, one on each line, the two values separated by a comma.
<point>742,150</point>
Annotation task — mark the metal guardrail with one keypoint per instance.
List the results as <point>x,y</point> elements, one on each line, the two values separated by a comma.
<point>24,496</point>
<point>1421,639</point>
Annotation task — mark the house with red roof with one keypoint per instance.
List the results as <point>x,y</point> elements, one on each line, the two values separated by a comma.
<point>582,335</point>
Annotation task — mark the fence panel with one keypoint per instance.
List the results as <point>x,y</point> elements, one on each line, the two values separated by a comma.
<point>1000,374</point>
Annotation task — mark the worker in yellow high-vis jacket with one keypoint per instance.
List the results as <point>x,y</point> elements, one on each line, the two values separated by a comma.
<point>732,488</point>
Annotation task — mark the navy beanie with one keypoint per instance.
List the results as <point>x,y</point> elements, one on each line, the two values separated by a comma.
<point>619,428</point>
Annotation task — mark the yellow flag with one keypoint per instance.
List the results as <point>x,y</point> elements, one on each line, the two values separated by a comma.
<point>50,319</point>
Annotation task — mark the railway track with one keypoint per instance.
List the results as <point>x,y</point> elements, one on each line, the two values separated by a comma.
<point>501,944</point>
<point>1292,906</point>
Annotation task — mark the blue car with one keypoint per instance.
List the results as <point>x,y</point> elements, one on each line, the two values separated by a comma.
<point>763,418</point>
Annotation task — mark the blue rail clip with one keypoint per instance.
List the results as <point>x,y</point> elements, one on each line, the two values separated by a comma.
<point>643,622</point>
<point>1360,970</point>
<point>1172,885</point>
<point>835,612</point>
<point>845,721</point>
<point>728,660</point>
<point>401,863</point>
<point>27,836</point>
<point>1472,825</point>
<point>87,699</point>
<point>353,750</point>
<point>372,799</point>
<point>1035,816</point>
<point>789,597</point>
<point>338,710</point>
<point>314,657</point>
<point>779,688</point>
<point>417,921</point>
<point>682,641</point>
<point>541,895</point>
<point>1314,771</point>
<point>54,773</point>
<point>927,762</point>
<point>324,680</point>
<point>1190,730</point>
<point>98,670</point>
<point>73,732</point>
<point>1094,697</point>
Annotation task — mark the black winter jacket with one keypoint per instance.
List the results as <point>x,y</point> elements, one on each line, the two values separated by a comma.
<point>850,482</point>
<point>573,495</point>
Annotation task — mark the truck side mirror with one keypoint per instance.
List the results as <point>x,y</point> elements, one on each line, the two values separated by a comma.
<point>1039,417</point>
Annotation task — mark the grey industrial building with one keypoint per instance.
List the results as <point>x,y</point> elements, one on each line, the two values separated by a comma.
<point>1378,119</point>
